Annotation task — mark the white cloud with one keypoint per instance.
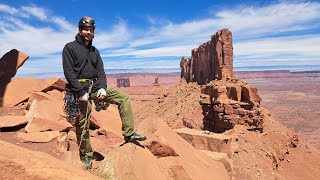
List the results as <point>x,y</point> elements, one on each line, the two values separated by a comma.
<point>40,13</point>
<point>272,19</point>
<point>33,41</point>
<point>8,9</point>
<point>152,52</point>
<point>259,33</point>
<point>64,24</point>
<point>305,45</point>
<point>118,36</point>
<point>142,63</point>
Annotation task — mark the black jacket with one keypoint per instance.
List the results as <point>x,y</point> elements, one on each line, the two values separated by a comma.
<point>81,62</point>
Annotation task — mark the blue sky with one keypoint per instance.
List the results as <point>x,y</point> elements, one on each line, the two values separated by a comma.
<point>156,34</point>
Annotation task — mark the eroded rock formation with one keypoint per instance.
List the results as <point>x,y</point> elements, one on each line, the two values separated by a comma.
<point>9,65</point>
<point>212,60</point>
<point>228,103</point>
<point>225,101</point>
<point>123,82</point>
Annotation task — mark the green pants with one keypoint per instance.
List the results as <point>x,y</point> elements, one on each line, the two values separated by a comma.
<point>114,96</point>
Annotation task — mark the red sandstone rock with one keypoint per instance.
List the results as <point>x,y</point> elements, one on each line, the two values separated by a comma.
<point>39,137</point>
<point>12,121</point>
<point>56,94</point>
<point>195,166</point>
<point>63,142</point>
<point>38,96</point>
<point>212,60</point>
<point>23,163</point>
<point>53,83</point>
<point>223,54</point>
<point>206,141</point>
<point>20,89</point>
<point>234,92</point>
<point>123,82</point>
<point>138,164</point>
<point>9,65</point>
<point>250,96</point>
<point>40,119</point>
<point>161,148</point>
<point>221,157</point>
<point>11,61</point>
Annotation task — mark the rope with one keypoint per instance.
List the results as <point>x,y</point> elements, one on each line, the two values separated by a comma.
<point>87,116</point>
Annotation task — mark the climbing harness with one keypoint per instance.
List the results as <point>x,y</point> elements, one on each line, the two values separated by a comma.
<point>72,107</point>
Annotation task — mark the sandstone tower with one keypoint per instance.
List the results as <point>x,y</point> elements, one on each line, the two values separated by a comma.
<point>212,60</point>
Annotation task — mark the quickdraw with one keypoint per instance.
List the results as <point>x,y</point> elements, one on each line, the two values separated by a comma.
<point>71,105</point>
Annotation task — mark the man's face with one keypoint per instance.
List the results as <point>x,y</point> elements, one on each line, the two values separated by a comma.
<point>87,33</point>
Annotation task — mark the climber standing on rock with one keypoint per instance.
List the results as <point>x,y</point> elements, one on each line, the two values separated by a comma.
<point>83,69</point>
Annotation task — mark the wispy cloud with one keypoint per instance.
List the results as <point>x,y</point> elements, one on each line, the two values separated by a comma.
<point>273,19</point>
<point>177,51</point>
<point>305,45</point>
<point>35,11</point>
<point>63,24</point>
<point>8,9</point>
<point>278,33</point>
<point>117,37</point>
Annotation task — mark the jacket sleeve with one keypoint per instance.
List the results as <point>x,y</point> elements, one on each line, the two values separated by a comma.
<point>69,72</point>
<point>101,74</point>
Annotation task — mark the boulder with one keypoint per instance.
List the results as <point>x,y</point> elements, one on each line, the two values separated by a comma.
<point>12,121</point>
<point>58,95</point>
<point>45,115</point>
<point>39,137</point>
<point>206,140</point>
<point>12,61</point>
<point>53,83</point>
<point>221,157</point>
<point>175,155</point>
<point>63,142</point>
<point>9,65</point>
<point>19,90</point>
<point>38,96</point>
<point>131,162</point>
<point>24,163</point>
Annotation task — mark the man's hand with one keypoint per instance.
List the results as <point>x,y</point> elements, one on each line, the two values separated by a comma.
<point>85,97</point>
<point>101,93</point>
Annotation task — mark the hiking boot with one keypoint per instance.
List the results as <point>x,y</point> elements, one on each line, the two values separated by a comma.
<point>86,161</point>
<point>136,137</point>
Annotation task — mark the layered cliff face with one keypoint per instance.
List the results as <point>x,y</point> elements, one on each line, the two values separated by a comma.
<point>225,101</point>
<point>212,60</point>
<point>228,103</point>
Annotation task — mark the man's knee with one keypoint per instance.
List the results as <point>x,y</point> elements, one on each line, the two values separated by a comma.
<point>124,96</point>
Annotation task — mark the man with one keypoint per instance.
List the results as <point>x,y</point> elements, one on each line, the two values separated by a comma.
<point>84,71</point>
